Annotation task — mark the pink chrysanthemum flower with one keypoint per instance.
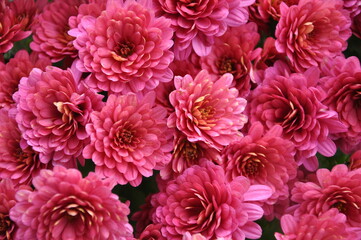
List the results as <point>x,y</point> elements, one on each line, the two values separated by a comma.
<point>52,111</point>
<point>353,6</point>
<point>312,30</point>
<point>341,82</point>
<point>201,200</point>
<point>66,206</point>
<point>264,158</point>
<point>197,23</point>
<point>152,231</point>
<point>329,225</point>
<point>129,138</point>
<point>339,188</point>
<point>233,53</point>
<point>206,110</point>
<point>294,101</point>
<point>50,31</point>
<point>262,10</point>
<point>18,67</point>
<point>15,18</point>
<point>18,161</point>
<point>126,48</point>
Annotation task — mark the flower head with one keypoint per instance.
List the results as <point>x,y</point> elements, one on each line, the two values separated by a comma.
<point>66,206</point>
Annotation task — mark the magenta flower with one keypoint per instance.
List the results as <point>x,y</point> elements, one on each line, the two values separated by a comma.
<point>18,161</point>
<point>126,48</point>
<point>294,101</point>
<point>129,138</point>
<point>233,53</point>
<point>339,188</point>
<point>18,67</point>
<point>52,111</point>
<point>197,23</point>
<point>306,37</point>
<point>201,200</point>
<point>353,7</point>
<point>341,81</point>
<point>329,225</point>
<point>264,158</point>
<point>200,111</point>
<point>66,206</point>
<point>50,31</point>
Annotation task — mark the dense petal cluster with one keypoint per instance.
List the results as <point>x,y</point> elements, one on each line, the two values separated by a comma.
<point>311,30</point>
<point>206,110</point>
<point>18,161</point>
<point>126,48</point>
<point>196,23</point>
<point>339,188</point>
<point>50,32</point>
<point>201,200</point>
<point>129,138</point>
<point>294,101</point>
<point>52,111</point>
<point>328,225</point>
<point>66,206</point>
<point>264,158</point>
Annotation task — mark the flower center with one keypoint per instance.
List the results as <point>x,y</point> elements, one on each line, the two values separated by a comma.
<point>189,152</point>
<point>291,118</point>
<point>124,49</point>
<point>341,206</point>
<point>125,136</point>
<point>206,112</point>
<point>227,65</point>
<point>252,164</point>
<point>5,227</point>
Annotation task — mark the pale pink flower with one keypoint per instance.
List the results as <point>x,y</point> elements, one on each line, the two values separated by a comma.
<point>126,48</point>
<point>19,66</point>
<point>341,82</point>
<point>207,110</point>
<point>339,188</point>
<point>328,225</point>
<point>66,206</point>
<point>52,111</point>
<point>294,101</point>
<point>233,53</point>
<point>264,157</point>
<point>312,30</point>
<point>197,23</point>
<point>50,31</point>
<point>201,200</point>
<point>18,161</point>
<point>129,138</point>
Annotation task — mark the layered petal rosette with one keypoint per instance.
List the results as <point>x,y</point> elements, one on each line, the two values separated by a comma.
<point>66,206</point>
<point>129,138</point>
<point>126,48</point>
<point>264,158</point>
<point>52,111</point>
<point>339,188</point>
<point>18,161</point>
<point>328,225</point>
<point>312,30</point>
<point>294,101</point>
<point>196,23</point>
<point>203,201</point>
<point>206,110</point>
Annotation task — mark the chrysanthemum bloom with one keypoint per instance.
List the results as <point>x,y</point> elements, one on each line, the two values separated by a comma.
<point>66,206</point>
<point>233,53</point>
<point>18,67</point>
<point>295,102</point>
<point>52,111</point>
<point>339,188</point>
<point>126,48</point>
<point>186,154</point>
<point>264,158</point>
<point>271,8</point>
<point>206,110</point>
<point>129,138</point>
<point>152,231</point>
<point>18,161</point>
<point>306,37</point>
<point>341,81</point>
<point>355,160</point>
<point>197,23</point>
<point>201,200</point>
<point>50,31</point>
<point>15,19</point>
<point>329,225</point>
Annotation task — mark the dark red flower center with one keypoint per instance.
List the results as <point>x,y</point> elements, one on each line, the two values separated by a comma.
<point>190,152</point>
<point>343,199</point>
<point>357,98</point>
<point>227,65</point>
<point>341,206</point>
<point>251,164</point>
<point>124,49</point>
<point>6,227</point>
